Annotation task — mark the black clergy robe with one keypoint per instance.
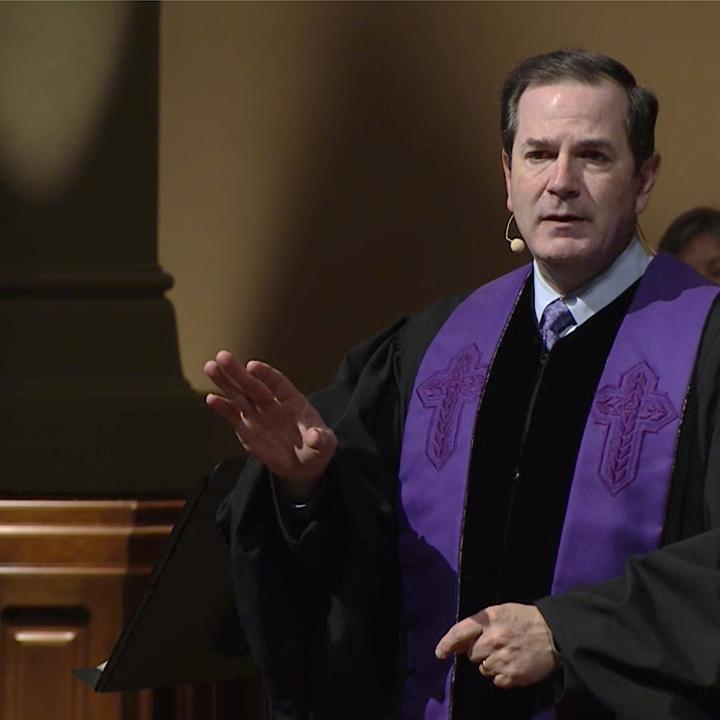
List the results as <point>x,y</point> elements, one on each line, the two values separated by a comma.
<point>318,589</point>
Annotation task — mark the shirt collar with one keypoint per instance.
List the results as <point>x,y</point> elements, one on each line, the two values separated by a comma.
<point>628,267</point>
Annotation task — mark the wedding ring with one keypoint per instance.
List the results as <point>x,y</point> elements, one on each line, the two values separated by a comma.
<point>484,670</point>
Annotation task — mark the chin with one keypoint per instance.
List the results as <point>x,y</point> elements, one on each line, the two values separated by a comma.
<point>564,250</point>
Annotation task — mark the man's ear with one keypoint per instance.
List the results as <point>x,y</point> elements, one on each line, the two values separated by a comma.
<point>646,181</point>
<point>506,171</point>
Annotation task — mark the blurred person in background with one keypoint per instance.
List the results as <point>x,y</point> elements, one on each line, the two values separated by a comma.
<point>694,237</point>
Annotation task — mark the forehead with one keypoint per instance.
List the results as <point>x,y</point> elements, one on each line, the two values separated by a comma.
<point>572,108</point>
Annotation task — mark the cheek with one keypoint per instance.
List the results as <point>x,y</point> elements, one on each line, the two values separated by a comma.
<point>613,206</point>
<point>521,193</point>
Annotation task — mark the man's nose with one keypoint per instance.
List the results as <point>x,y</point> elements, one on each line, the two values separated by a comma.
<point>563,180</point>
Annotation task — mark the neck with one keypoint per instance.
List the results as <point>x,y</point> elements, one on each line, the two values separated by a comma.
<point>566,281</point>
<point>568,278</point>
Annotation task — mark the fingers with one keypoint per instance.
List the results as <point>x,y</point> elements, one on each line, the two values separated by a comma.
<point>279,385</point>
<point>498,678</point>
<point>514,650</point>
<point>256,391</point>
<point>480,649</point>
<point>236,413</point>
<point>317,438</point>
<point>237,384</point>
<point>460,638</point>
<point>226,409</point>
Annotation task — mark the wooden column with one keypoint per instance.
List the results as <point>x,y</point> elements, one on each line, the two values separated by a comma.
<point>93,402</point>
<point>99,430</point>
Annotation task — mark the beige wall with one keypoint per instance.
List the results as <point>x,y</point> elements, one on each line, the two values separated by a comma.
<point>325,168</point>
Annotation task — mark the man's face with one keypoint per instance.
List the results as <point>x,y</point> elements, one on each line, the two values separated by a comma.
<point>572,182</point>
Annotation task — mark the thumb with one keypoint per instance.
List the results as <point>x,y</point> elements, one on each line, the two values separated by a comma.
<point>320,438</point>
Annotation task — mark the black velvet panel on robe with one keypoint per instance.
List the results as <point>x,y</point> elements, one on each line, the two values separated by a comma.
<point>528,433</point>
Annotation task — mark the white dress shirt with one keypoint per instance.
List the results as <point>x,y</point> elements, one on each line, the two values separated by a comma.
<point>628,267</point>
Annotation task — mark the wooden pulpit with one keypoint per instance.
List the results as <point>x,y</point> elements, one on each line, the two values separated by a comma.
<point>74,573</point>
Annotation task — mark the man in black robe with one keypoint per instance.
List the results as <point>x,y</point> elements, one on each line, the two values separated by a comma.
<point>337,572</point>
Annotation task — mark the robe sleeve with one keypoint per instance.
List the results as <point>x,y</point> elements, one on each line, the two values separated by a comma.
<point>317,587</point>
<point>647,645</point>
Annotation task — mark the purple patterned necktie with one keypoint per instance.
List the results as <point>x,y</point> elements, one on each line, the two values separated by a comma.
<point>555,319</point>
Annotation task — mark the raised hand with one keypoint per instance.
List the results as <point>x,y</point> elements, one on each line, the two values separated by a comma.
<point>272,420</point>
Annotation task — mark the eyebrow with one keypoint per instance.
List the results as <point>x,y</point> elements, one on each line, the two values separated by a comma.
<point>589,144</point>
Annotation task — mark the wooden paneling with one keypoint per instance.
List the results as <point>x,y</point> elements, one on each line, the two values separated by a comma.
<point>32,655</point>
<point>70,575</point>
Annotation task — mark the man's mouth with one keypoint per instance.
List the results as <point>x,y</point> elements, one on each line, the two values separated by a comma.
<point>562,218</point>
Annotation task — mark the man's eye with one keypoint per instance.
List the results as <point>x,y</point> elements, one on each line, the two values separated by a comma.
<point>537,155</point>
<point>595,156</point>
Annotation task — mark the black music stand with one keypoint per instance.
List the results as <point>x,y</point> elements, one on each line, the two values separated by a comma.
<point>185,629</point>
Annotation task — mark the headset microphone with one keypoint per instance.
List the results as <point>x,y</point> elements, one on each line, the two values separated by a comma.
<point>517,245</point>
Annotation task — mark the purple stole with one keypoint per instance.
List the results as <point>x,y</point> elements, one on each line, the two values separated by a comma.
<point>619,492</point>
